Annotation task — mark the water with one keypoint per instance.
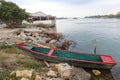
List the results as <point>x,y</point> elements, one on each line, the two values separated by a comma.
<point>83,31</point>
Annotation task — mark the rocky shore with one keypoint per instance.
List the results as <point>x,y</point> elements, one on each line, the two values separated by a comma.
<point>42,36</point>
<point>17,66</point>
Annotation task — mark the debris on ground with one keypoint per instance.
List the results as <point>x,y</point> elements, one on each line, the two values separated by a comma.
<point>96,72</point>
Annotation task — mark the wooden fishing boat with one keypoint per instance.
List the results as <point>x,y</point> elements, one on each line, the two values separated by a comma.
<point>72,58</point>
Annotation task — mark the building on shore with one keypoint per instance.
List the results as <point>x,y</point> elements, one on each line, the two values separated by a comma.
<point>40,17</point>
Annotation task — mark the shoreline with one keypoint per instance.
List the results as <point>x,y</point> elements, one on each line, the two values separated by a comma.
<point>21,33</point>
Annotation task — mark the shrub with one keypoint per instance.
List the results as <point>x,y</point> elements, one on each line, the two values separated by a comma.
<point>12,14</point>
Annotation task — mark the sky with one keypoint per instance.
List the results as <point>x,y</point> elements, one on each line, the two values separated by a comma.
<point>70,8</point>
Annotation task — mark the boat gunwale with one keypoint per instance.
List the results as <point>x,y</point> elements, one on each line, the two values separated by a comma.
<point>86,61</point>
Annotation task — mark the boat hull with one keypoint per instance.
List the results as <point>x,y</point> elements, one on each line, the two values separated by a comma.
<point>65,60</point>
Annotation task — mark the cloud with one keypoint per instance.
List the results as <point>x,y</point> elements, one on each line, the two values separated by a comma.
<point>73,2</point>
<point>70,8</point>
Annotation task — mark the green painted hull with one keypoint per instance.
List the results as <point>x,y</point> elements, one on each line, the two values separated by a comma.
<point>60,56</point>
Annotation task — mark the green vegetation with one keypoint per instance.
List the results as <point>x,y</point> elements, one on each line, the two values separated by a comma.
<point>26,62</point>
<point>12,49</point>
<point>105,16</point>
<point>30,64</point>
<point>12,62</point>
<point>11,14</point>
<point>4,45</point>
<point>4,75</point>
<point>2,58</point>
<point>29,20</point>
<point>8,48</point>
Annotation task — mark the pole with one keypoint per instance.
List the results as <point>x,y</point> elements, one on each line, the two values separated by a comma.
<point>94,46</point>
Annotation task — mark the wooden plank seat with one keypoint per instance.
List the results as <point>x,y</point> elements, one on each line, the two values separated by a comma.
<point>50,52</point>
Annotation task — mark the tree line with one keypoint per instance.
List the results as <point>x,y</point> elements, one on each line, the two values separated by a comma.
<point>105,16</point>
<point>12,14</point>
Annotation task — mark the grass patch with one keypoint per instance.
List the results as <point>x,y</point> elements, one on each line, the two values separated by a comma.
<point>30,64</point>
<point>8,48</point>
<point>2,58</point>
<point>5,75</point>
<point>4,45</point>
<point>11,49</point>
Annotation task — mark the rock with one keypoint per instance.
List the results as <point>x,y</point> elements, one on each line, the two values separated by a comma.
<point>96,72</point>
<point>28,34</point>
<point>65,45</point>
<point>50,29</point>
<point>41,41</point>
<point>22,34</point>
<point>28,38</point>
<point>24,73</point>
<point>43,30</point>
<point>19,74</point>
<point>55,35</point>
<point>79,74</point>
<point>17,39</point>
<point>51,45</point>
<point>64,70</point>
<point>48,79</point>
<point>30,41</point>
<point>35,34</point>
<point>24,78</point>
<point>63,66</point>
<point>54,79</point>
<point>17,32</point>
<point>56,66</point>
<point>37,38</point>
<point>66,74</point>
<point>38,77</point>
<point>53,41</point>
<point>45,39</point>
<point>51,73</point>
<point>43,35</point>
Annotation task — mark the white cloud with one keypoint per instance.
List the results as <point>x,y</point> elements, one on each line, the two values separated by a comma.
<point>69,10</point>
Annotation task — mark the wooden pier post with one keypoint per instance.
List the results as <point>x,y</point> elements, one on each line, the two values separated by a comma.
<point>94,46</point>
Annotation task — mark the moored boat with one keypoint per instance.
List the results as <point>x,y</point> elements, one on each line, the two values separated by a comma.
<point>72,58</point>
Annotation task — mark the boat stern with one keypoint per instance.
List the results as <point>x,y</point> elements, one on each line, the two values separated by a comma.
<point>108,59</point>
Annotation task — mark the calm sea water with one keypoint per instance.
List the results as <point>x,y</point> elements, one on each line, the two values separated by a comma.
<point>83,31</point>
